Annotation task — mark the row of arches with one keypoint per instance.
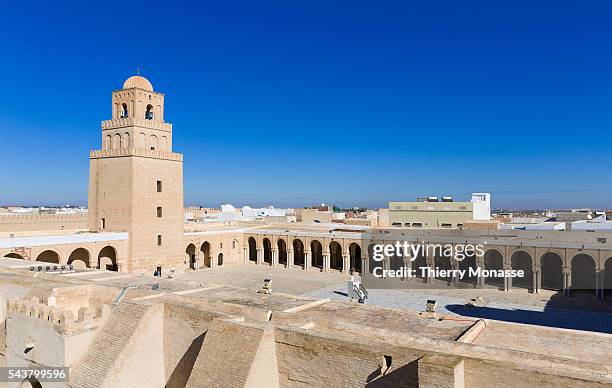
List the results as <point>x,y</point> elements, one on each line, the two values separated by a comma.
<point>208,259</point>
<point>554,270</point>
<point>582,273</point>
<point>124,112</point>
<point>118,141</point>
<point>316,260</point>
<point>79,258</point>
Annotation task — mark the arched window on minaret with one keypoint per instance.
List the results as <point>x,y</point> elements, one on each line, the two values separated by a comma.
<point>153,143</point>
<point>124,111</point>
<point>117,141</point>
<point>126,140</point>
<point>149,112</point>
<point>141,142</point>
<point>107,142</point>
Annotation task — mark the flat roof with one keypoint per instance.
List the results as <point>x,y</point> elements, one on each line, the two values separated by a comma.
<point>74,238</point>
<point>566,343</point>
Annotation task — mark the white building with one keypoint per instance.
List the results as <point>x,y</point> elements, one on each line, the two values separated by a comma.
<point>599,223</point>
<point>481,206</point>
<point>269,211</point>
<point>534,226</point>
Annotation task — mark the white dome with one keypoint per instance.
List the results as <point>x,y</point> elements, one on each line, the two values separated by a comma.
<point>227,208</point>
<point>139,82</point>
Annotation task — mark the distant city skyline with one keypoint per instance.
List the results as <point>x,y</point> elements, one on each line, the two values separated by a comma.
<point>290,206</point>
<point>352,104</point>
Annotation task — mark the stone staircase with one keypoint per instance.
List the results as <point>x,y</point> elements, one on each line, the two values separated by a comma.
<point>108,345</point>
<point>236,355</point>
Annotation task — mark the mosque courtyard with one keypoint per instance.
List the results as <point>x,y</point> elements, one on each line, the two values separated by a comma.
<point>546,308</point>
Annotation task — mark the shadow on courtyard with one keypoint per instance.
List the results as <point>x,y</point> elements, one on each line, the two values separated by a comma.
<point>552,316</point>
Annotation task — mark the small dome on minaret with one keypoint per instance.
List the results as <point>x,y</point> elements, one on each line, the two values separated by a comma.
<point>137,81</point>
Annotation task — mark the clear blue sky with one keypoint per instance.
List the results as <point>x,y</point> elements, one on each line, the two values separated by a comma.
<point>293,103</point>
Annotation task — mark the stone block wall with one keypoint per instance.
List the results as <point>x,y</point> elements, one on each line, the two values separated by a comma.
<point>15,223</point>
<point>184,331</point>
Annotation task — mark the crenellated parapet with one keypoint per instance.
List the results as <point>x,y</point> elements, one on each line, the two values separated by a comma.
<point>20,218</point>
<point>132,121</point>
<point>14,224</point>
<point>61,319</point>
<point>121,152</point>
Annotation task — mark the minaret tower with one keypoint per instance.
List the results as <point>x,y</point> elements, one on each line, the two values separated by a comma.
<point>136,181</point>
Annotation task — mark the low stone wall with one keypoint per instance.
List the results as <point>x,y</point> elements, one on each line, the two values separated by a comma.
<point>34,222</point>
<point>321,361</point>
<point>485,373</point>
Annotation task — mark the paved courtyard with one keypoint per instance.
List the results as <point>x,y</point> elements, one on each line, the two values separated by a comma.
<point>295,281</point>
<point>546,308</point>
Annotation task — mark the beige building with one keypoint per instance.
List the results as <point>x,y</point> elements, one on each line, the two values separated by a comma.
<point>434,213</point>
<point>136,181</point>
<point>312,215</point>
<point>383,218</point>
<point>199,213</point>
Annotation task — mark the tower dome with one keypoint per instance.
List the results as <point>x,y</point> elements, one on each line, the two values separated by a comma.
<point>137,81</point>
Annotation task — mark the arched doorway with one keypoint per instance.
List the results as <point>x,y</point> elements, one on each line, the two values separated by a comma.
<point>372,264</point>
<point>49,256</point>
<point>521,260</point>
<point>298,252</point>
<point>316,250</point>
<point>282,251</point>
<point>191,256</point>
<point>355,254</point>
<point>551,267</point>
<point>220,259</point>
<point>13,255</point>
<point>335,255</point>
<point>79,258</point>
<point>608,278</point>
<point>267,245</point>
<point>396,262</point>
<point>583,273</point>
<point>443,262</point>
<point>107,259</point>
<point>494,261</point>
<point>419,262</point>
<point>468,263</point>
<point>205,249</point>
<point>252,249</point>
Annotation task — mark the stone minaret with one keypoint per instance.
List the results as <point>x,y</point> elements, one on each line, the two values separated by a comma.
<point>136,181</point>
